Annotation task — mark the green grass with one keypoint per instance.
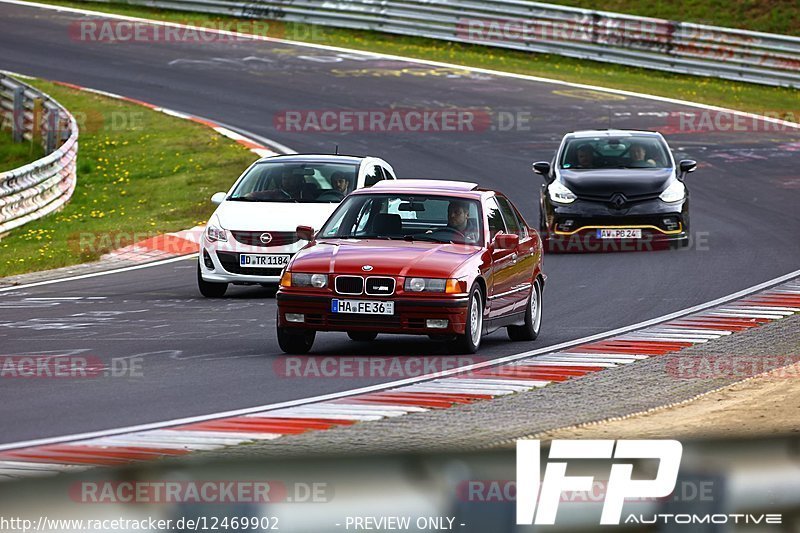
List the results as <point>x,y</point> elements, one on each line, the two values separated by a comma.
<point>140,173</point>
<point>772,16</point>
<point>743,96</point>
<point>13,155</point>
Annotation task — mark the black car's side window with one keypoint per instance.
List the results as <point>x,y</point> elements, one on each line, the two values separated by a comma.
<point>495,218</point>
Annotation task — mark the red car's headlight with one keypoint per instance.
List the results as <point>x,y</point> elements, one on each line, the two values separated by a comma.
<point>299,279</point>
<point>434,285</point>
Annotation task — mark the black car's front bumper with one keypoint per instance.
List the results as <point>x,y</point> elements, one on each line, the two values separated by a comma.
<point>576,227</point>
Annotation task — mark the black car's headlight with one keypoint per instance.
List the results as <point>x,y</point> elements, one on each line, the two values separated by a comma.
<point>674,193</point>
<point>559,193</point>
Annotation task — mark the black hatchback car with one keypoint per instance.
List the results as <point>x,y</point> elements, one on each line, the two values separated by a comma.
<point>610,190</point>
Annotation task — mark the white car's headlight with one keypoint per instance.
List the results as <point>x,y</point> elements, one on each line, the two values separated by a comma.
<point>560,194</point>
<point>674,193</point>
<point>215,233</point>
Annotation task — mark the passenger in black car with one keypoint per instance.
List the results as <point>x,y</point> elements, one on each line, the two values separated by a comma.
<point>638,155</point>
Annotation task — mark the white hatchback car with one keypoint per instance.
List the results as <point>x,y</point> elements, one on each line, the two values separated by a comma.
<point>252,234</point>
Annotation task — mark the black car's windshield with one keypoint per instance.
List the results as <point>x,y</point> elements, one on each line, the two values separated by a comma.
<point>636,151</point>
<point>406,217</point>
<point>294,181</point>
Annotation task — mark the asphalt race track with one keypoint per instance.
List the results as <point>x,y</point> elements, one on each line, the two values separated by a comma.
<point>200,356</point>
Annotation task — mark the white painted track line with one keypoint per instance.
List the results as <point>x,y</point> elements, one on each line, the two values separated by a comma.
<point>136,440</point>
<point>601,355</point>
<point>715,333</point>
<point>466,388</point>
<point>311,415</point>
<point>539,362</point>
<point>30,465</point>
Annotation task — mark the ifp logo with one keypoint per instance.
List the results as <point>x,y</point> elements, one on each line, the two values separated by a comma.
<point>620,484</point>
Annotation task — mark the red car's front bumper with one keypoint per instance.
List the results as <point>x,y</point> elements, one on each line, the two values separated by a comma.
<point>410,315</point>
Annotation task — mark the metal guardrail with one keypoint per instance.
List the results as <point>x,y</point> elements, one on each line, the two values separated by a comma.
<point>36,189</point>
<point>522,25</point>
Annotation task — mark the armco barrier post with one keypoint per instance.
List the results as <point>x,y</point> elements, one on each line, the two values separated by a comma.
<point>52,128</point>
<point>18,124</point>
<point>36,133</point>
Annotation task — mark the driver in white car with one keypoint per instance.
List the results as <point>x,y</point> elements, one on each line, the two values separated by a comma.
<point>340,183</point>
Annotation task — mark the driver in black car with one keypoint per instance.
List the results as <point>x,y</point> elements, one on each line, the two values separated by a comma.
<point>585,156</point>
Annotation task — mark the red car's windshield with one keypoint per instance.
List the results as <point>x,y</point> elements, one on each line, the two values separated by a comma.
<point>408,217</point>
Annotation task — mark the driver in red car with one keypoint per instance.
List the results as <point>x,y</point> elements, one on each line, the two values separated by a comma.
<point>457,216</point>
<point>458,219</point>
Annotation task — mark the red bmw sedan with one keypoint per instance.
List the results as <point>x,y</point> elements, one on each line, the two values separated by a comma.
<point>439,258</point>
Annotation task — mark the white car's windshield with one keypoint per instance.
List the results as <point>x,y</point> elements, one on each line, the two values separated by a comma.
<point>407,217</point>
<point>303,182</point>
<point>624,152</point>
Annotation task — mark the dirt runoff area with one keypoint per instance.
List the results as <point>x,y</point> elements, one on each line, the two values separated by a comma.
<point>765,405</point>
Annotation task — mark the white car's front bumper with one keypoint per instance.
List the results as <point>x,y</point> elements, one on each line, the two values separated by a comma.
<point>219,261</point>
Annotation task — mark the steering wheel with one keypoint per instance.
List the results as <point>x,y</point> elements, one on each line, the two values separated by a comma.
<point>330,196</point>
<point>448,229</point>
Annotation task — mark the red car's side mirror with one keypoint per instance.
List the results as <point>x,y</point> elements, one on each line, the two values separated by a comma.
<point>305,233</point>
<point>506,241</point>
